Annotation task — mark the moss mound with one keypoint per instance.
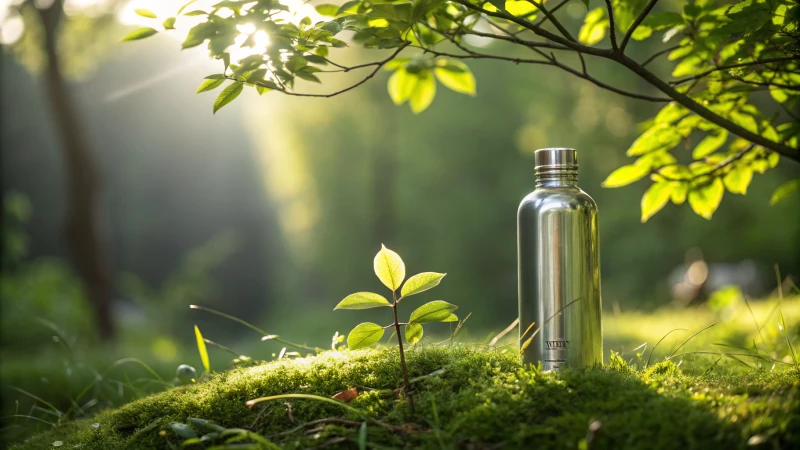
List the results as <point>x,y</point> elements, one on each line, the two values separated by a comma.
<point>480,400</point>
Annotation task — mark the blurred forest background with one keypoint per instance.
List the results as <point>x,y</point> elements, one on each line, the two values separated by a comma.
<point>273,209</point>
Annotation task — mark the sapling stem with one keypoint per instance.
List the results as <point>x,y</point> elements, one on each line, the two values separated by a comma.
<point>406,385</point>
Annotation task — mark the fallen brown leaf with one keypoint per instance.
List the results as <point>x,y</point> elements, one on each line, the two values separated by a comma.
<point>347,396</point>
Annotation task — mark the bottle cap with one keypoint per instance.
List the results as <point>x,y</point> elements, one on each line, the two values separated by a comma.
<point>556,158</point>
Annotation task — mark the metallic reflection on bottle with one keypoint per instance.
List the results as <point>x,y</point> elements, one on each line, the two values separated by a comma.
<point>559,267</point>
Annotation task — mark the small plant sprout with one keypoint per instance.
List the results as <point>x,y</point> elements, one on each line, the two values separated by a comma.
<point>391,270</point>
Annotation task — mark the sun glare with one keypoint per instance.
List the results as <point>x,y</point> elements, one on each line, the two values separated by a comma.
<point>298,9</point>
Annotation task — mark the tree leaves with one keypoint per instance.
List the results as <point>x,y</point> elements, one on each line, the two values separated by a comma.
<point>413,332</point>
<point>389,268</point>
<point>626,175</point>
<point>705,199</point>
<point>141,33</point>
<point>656,196</point>
<point>169,23</point>
<point>710,144</point>
<point>209,85</point>
<point>421,282</point>
<point>738,178</point>
<point>327,9</point>
<point>658,137</point>
<point>364,335</point>
<point>784,191</point>
<point>228,95</point>
<point>594,27</point>
<point>456,76</point>
<point>363,300</point>
<point>424,92</point>
<point>435,311</point>
<point>201,347</point>
<point>145,13</point>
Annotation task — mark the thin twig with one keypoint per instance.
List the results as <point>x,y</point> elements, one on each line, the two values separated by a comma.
<point>659,53</point>
<point>734,66</point>
<point>636,24</point>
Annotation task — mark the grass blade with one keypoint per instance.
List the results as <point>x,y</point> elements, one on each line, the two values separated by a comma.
<point>254,328</point>
<point>338,403</point>
<point>201,347</point>
<point>691,337</point>
<point>659,341</point>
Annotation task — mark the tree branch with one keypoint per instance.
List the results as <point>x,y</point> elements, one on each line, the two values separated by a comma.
<point>611,27</point>
<point>636,23</point>
<point>733,66</point>
<point>552,19</point>
<point>552,11</point>
<point>717,167</point>
<point>706,113</point>
<point>377,64</point>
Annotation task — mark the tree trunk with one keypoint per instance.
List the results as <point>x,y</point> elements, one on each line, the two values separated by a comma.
<point>82,231</point>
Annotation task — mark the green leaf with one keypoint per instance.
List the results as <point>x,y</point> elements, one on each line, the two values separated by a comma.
<point>435,311</point>
<point>327,9</point>
<point>362,300</point>
<point>185,5</point>
<point>451,318</point>
<point>228,95</point>
<point>262,90</point>
<point>424,92</point>
<point>364,335</point>
<point>362,436</point>
<point>704,200</point>
<point>521,8</point>
<point>389,268</point>
<point>141,33</point>
<point>401,86</point>
<point>710,144</point>
<point>594,27</point>
<point>421,282</point>
<point>738,178</point>
<point>658,137</point>
<point>679,192</point>
<point>456,76</point>
<point>413,332</point>
<point>347,6</point>
<point>626,175</point>
<point>201,347</point>
<point>209,85</point>
<point>145,13</point>
<point>656,196</point>
<point>784,191</point>
<point>169,23</point>
<point>182,430</point>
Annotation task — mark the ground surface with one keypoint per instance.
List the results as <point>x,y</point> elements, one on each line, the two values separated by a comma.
<point>482,399</point>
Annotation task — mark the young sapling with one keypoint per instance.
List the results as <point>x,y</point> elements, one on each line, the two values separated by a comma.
<point>391,270</point>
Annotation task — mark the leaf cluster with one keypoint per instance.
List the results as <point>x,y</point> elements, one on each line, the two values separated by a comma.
<point>391,271</point>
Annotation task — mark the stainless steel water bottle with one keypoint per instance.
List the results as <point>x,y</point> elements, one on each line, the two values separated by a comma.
<point>559,267</point>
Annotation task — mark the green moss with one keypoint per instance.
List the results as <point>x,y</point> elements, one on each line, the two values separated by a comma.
<point>482,399</point>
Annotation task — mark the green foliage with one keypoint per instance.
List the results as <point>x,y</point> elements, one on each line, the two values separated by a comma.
<point>140,33</point>
<point>391,271</point>
<point>725,57</point>
<point>784,191</point>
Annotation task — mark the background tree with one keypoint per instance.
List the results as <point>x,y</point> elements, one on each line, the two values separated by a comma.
<point>728,59</point>
<point>48,33</point>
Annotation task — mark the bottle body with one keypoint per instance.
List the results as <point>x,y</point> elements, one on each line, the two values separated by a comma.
<point>559,273</point>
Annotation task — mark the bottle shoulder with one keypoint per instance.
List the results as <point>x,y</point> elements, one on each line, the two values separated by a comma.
<point>557,198</point>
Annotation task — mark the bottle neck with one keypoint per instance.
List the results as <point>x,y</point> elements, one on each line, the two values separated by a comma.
<point>562,176</point>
